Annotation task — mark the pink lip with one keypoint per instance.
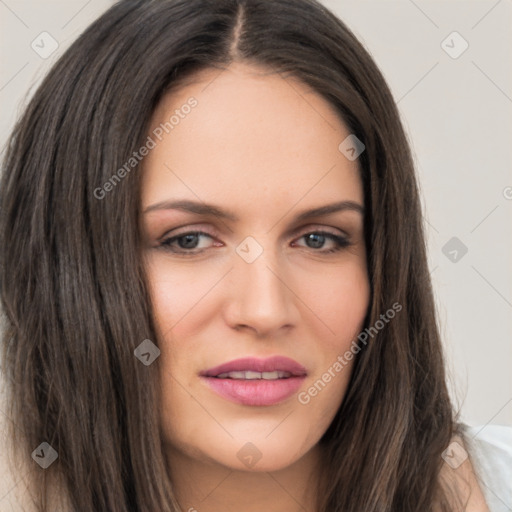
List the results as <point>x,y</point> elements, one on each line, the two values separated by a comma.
<point>271,364</point>
<point>257,392</point>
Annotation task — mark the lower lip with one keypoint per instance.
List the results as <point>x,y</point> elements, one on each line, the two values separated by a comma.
<point>256,391</point>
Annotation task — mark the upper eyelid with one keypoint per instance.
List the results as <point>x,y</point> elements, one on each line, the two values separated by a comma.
<point>295,232</point>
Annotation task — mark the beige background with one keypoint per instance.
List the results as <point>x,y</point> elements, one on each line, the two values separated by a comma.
<point>457,112</point>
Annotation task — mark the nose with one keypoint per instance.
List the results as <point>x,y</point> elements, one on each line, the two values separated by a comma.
<point>261,295</point>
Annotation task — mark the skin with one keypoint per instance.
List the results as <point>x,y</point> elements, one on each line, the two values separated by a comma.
<point>265,148</point>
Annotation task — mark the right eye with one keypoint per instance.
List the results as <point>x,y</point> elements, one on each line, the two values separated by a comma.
<point>185,243</point>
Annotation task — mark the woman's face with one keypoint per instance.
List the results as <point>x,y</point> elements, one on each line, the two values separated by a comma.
<point>262,279</point>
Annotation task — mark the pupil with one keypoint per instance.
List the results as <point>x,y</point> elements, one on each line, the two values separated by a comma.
<point>316,239</point>
<point>190,243</point>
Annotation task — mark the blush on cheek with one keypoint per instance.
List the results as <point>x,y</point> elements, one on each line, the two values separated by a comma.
<point>339,303</point>
<point>178,295</point>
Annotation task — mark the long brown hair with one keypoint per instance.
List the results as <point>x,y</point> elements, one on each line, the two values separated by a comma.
<point>73,286</point>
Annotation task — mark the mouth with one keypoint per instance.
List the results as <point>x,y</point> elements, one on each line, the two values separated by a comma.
<point>256,382</point>
<point>249,368</point>
<point>250,375</point>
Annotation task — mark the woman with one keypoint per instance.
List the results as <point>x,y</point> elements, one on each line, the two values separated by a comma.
<point>214,277</point>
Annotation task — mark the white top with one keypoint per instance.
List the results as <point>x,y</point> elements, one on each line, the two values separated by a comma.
<point>490,451</point>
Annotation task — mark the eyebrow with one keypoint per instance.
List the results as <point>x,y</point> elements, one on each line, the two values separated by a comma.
<point>210,209</point>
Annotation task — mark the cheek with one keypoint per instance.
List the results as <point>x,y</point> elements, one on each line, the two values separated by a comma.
<point>335,301</point>
<point>339,298</point>
<point>178,295</point>
<point>332,300</point>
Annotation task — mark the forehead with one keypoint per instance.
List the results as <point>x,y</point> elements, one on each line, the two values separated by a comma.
<point>252,133</point>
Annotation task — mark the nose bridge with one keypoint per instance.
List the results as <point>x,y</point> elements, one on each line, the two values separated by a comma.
<point>261,293</point>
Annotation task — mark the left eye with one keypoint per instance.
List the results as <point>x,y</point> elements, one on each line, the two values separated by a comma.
<point>186,242</point>
<point>317,238</point>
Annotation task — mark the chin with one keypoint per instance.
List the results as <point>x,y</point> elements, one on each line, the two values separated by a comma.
<point>256,456</point>
<point>259,458</point>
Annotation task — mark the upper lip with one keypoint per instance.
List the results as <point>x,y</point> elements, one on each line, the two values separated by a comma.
<point>271,364</point>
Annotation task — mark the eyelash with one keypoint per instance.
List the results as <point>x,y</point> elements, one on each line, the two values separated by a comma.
<point>341,242</point>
